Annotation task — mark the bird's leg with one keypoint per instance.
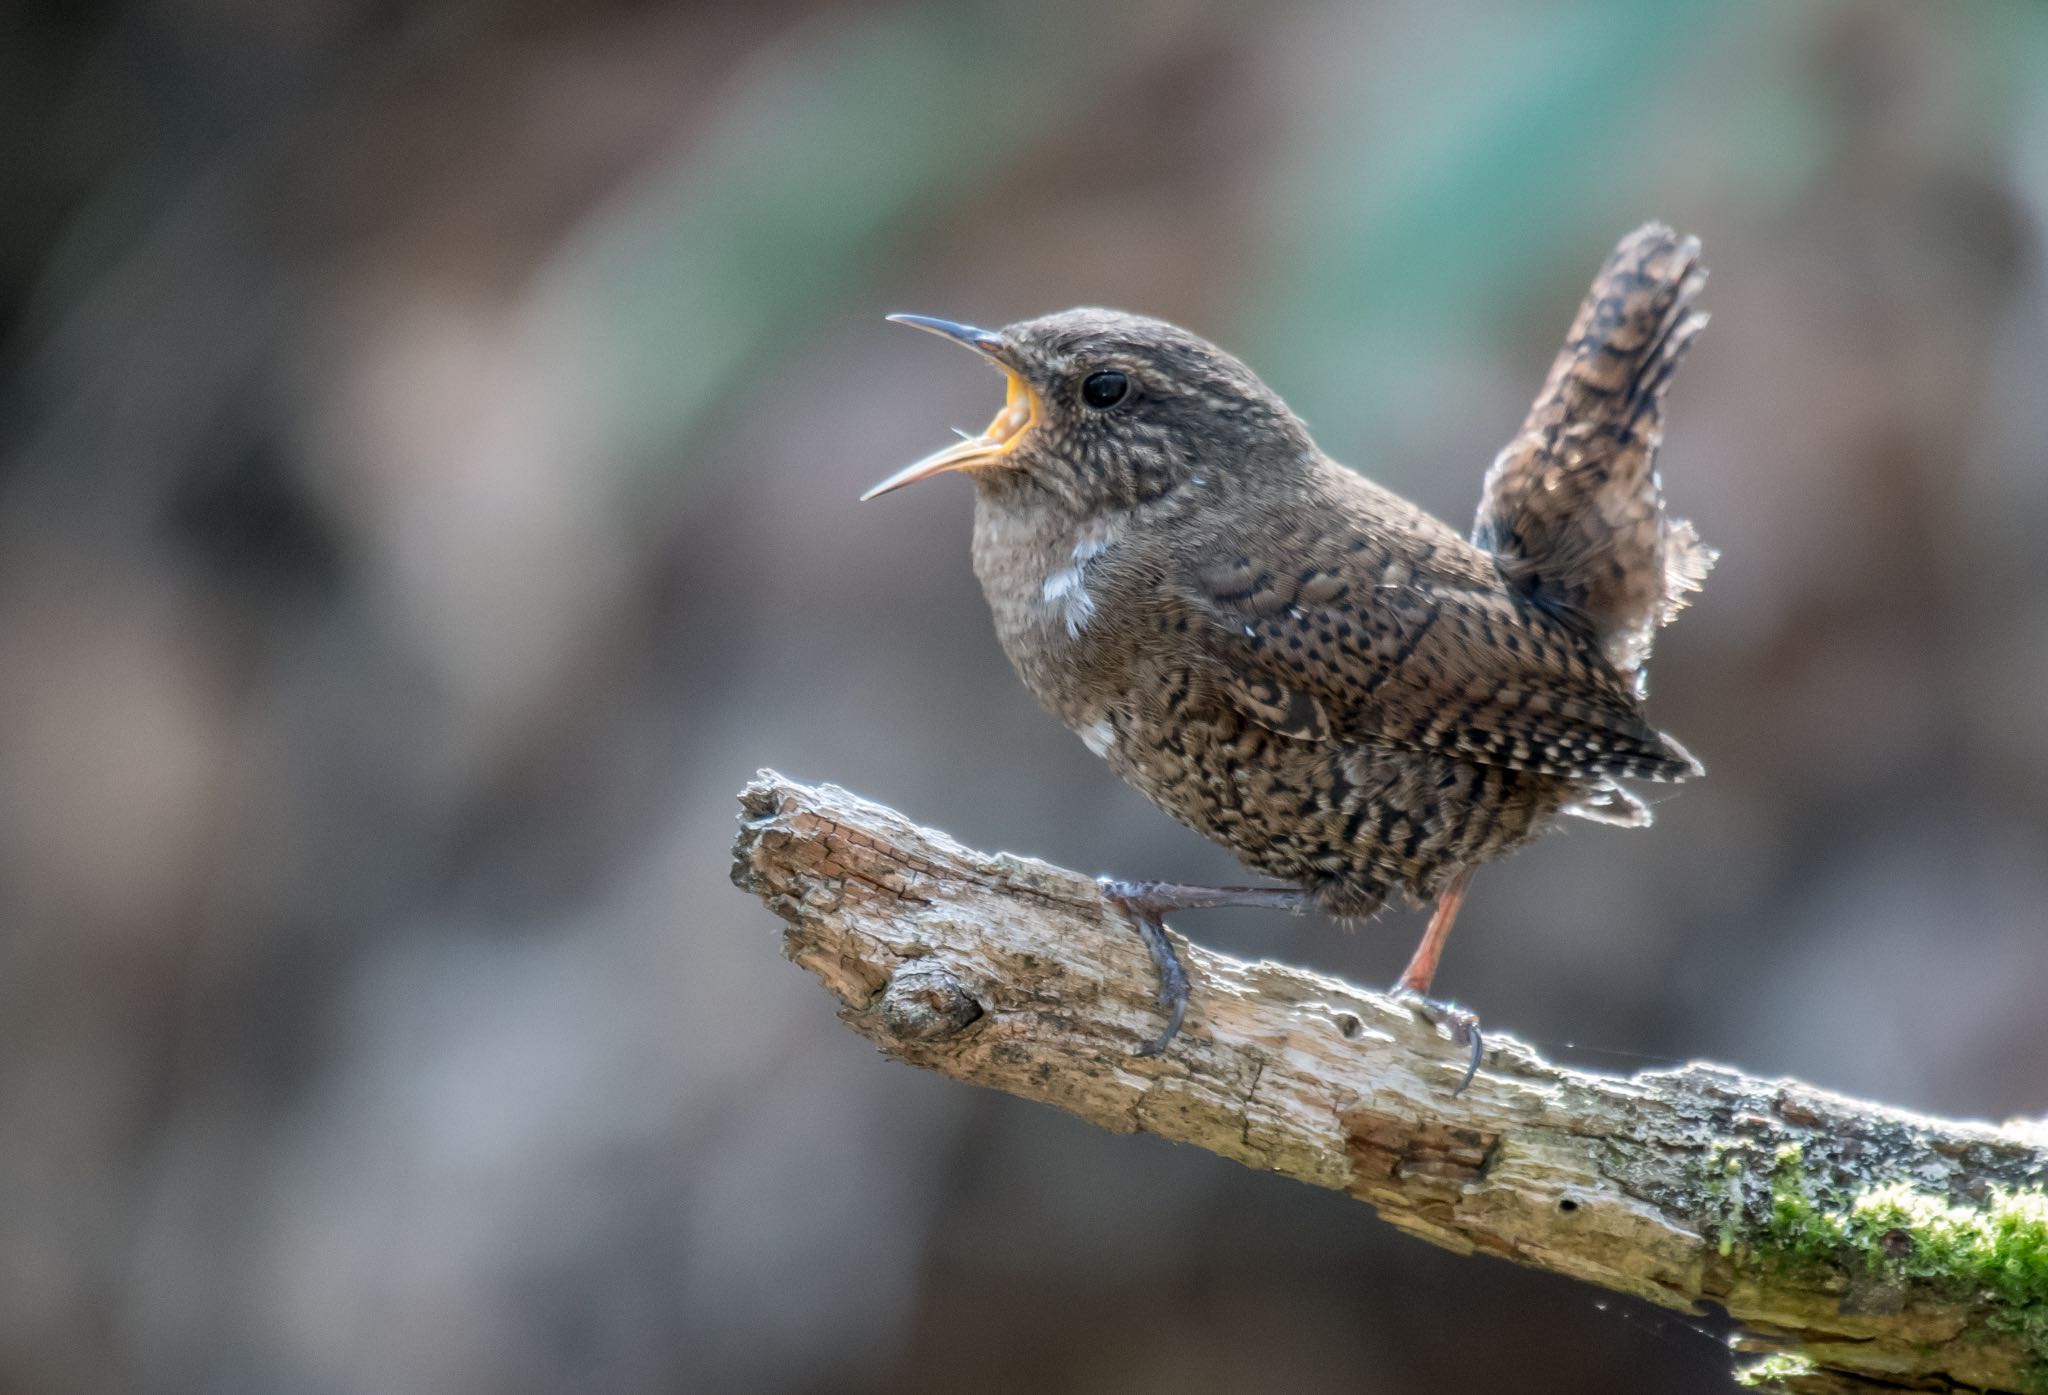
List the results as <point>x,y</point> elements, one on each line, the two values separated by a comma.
<point>1148,903</point>
<point>1421,971</point>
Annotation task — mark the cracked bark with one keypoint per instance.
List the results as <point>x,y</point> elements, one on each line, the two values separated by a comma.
<point>1014,974</point>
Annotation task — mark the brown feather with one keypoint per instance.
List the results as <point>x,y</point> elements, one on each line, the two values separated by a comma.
<point>1573,507</point>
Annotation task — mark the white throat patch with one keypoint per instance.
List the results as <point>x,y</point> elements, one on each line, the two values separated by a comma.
<point>1067,589</point>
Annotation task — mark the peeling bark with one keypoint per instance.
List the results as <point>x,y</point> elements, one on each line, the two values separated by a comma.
<point>1687,1187</point>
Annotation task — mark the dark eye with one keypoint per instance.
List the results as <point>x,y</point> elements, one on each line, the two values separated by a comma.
<point>1104,390</point>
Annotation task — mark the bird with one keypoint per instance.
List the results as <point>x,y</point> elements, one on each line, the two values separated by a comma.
<point>1351,696</point>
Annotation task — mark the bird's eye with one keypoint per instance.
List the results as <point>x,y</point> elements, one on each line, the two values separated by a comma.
<point>1105,389</point>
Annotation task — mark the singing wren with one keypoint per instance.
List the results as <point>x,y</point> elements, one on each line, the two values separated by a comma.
<point>1302,665</point>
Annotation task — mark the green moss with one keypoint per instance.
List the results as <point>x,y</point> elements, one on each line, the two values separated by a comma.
<point>1799,1231</point>
<point>1996,1253</point>
<point>1993,1256</point>
<point>1774,1370</point>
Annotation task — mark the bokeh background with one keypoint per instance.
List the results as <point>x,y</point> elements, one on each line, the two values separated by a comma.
<point>428,447</point>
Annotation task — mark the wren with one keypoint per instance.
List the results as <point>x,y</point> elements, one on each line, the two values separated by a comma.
<point>1304,666</point>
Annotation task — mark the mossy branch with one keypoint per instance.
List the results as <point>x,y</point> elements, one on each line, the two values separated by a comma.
<point>1857,1247</point>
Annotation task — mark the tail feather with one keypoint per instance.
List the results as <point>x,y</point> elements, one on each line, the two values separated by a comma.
<point>1573,510</point>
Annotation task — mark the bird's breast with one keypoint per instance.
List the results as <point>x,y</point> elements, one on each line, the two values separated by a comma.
<point>1047,583</point>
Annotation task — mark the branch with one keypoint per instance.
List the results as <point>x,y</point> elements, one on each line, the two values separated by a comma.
<point>1863,1247</point>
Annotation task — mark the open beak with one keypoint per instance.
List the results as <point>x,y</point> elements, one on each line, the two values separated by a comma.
<point>1019,414</point>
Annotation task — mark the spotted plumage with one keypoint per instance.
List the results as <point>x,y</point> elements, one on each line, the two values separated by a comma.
<point>1300,664</point>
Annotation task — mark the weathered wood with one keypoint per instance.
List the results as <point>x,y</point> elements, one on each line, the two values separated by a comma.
<point>1690,1187</point>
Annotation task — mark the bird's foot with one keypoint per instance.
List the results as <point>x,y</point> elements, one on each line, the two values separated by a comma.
<point>1462,1022</point>
<point>1140,902</point>
<point>1148,903</point>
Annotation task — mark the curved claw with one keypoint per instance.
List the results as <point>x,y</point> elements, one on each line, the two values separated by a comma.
<point>1172,995</point>
<point>1471,1066</point>
<point>1173,991</point>
<point>1464,1027</point>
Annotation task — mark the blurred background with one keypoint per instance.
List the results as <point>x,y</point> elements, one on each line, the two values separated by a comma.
<point>428,447</point>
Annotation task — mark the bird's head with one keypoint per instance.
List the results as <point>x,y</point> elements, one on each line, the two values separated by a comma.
<point>1106,410</point>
